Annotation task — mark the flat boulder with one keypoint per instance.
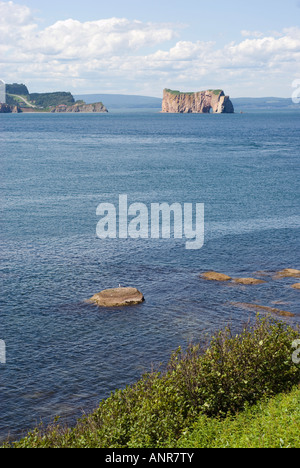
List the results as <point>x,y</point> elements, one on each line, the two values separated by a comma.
<point>117,297</point>
<point>288,273</point>
<point>248,281</point>
<point>214,276</point>
<point>296,286</point>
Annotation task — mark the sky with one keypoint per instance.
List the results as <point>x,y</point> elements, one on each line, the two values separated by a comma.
<point>249,49</point>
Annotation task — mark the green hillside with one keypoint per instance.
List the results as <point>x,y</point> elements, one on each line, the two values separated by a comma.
<point>46,100</point>
<point>18,94</point>
<point>18,89</point>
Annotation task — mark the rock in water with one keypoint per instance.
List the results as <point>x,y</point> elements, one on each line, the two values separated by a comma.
<point>288,273</point>
<point>214,276</point>
<point>270,310</point>
<point>117,297</point>
<point>296,286</point>
<point>198,103</point>
<point>248,281</point>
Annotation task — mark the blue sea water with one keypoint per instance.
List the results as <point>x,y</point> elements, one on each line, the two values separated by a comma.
<point>64,355</point>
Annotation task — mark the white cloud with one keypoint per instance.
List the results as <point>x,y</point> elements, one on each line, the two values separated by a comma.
<point>16,21</point>
<point>246,33</point>
<point>133,56</point>
<point>72,39</point>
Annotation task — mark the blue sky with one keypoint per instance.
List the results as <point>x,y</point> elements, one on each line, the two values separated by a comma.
<point>136,47</point>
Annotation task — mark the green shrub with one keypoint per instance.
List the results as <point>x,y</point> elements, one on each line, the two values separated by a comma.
<point>239,370</point>
<point>269,424</point>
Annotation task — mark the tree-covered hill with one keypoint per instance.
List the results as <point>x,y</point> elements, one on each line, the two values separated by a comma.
<point>46,100</point>
<point>18,94</point>
<point>17,89</point>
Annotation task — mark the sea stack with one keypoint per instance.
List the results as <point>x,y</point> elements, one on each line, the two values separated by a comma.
<point>202,102</point>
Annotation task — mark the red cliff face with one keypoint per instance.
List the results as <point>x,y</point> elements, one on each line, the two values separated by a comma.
<point>198,103</point>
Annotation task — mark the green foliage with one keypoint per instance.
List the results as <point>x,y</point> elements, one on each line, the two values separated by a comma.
<point>41,100</point>
<point>177,93</point>
<point>46,100</point>
<point>11,100</point>
<point>216,91</point>
<point>15,88</point>
<point>269,424</point>
<point>232,374</point>
<point>239,370</point>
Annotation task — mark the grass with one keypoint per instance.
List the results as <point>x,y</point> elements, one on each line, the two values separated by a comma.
<point>269,424</point>
<point>216,91</point>
<point>205,395</point>
<point>177,93</point>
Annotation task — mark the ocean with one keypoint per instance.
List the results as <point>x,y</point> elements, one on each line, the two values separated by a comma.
<point>64,355</point>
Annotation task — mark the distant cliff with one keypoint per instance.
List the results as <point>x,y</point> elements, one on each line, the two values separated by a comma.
<point>7,109</point>
<point>199,103</point>
<point>81,107</point>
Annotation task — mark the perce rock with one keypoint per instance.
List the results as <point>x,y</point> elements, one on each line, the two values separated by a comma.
<point>199,103</point>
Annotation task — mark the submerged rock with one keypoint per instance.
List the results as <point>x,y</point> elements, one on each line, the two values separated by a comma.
<point>248,281</point>
<point>271,310</point>
<point>214,276</point>
<point>117,297</point>
<point>288,273</point>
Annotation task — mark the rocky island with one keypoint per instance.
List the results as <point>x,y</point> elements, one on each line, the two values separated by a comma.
<point>201,102</point>
<point>80,107</point>
<point>19,99</point>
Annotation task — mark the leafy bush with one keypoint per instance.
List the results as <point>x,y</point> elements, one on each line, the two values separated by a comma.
<point>239,370</point>
<point>269,424</point>
<point>231,374</point>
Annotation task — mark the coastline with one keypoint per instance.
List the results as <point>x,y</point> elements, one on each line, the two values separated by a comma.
<point>197,388</point>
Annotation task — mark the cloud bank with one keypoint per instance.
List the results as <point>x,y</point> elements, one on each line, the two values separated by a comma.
<point>120,55</point>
